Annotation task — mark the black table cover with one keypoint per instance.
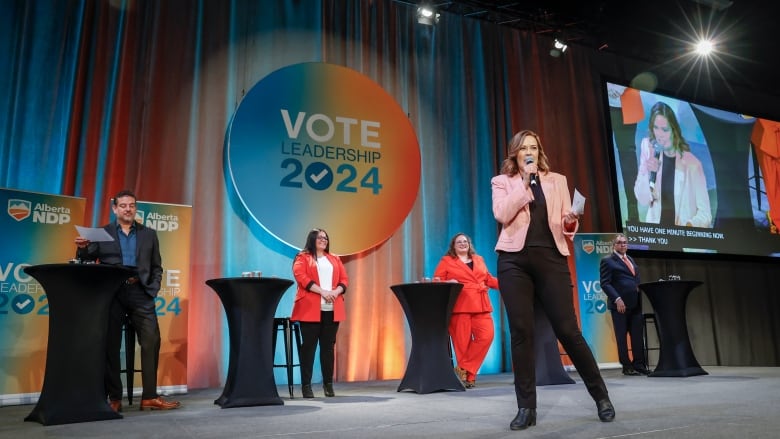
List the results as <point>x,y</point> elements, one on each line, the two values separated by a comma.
<point>79,297</point>
<point>250,304</point>
<point>668,298</point>
<point>549,367</point>
<point>428,307</point>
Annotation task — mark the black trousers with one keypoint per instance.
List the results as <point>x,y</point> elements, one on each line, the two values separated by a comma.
<point>625,139</point>
<point>131,300</point>
<point>542,273</point>
<point>324,334</point>
<point>630,323</point>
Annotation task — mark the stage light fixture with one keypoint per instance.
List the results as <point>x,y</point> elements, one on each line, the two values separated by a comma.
<point>559,46</point>
<point>427,15</point>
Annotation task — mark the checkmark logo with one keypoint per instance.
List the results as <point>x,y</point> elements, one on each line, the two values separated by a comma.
<point>600,306</point>
<point>22,305</point>
<point>317,177</point>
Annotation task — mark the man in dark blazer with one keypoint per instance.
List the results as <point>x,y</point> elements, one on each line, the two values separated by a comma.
<point>620,282</point>
<point>135,246</point>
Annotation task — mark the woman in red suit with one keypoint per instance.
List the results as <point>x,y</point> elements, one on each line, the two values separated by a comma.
<point>319,306</point>
<point>471,324</point>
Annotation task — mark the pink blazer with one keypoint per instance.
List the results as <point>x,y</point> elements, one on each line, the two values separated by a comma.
<point>307,303</point>
<point>511,208</point>
<point>473,297</point>
<point>691,200</point>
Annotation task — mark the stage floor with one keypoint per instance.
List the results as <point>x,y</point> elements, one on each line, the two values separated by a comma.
<point>730,402</point>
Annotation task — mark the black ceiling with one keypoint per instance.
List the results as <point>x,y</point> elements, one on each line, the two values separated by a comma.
<point>657,32</point>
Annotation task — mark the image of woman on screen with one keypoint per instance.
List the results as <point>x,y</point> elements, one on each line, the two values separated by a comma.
<point>670,184</point>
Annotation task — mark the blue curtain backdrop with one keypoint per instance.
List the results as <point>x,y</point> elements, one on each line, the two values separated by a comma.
<point>98,95</point>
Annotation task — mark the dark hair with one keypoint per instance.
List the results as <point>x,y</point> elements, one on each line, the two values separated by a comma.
<point>311,242</point>
<point>452,252</point>
<point>661,109</point>
<point>509,166</point>
<point>124,193</point>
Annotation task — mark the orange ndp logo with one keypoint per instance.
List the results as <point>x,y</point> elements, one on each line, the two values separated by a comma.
<point>588,246</point>
<point>19,209</point>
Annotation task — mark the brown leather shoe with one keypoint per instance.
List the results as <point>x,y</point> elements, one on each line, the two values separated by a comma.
<point>159,404</point>
<point>461,373</point>
<point>116,405</point>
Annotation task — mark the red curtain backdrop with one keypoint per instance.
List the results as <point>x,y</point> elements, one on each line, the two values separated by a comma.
<point>104,95</point>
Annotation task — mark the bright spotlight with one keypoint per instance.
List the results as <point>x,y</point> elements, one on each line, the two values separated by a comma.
<point>427,15</point>
<point>704,47</point>
<point>559,46</point>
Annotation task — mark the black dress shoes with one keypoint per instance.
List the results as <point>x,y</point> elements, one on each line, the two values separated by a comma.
<point>606,410</point>
<point>643,371</point>
<point>524,419</point>
<point>630,371</point>
<point>307,391</point>
<point>328,389</point>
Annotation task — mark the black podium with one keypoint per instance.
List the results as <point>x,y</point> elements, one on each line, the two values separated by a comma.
<point>428,307</point>
<point>250,304</point>
<point>676,357</point>
<point>79,297</point>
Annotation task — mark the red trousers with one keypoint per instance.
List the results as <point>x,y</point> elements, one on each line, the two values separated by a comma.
<point>472,335</point>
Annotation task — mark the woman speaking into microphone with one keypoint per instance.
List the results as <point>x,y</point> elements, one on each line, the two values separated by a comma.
<point>533,206</point>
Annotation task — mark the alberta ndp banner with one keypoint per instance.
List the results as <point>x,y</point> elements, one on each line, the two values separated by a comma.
<point>173,224</point>
<point>320,145</point>
<point>595,318</point>
<point>35,228</point>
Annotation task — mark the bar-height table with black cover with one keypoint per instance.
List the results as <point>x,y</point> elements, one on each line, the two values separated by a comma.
<point>549,367</point>
<point>668,298</point>
<point>428,307</point>
<point>79,297</point>
<point>250,304</point>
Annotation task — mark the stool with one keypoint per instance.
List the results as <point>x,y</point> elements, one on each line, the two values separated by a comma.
<point>288,328</point>
<point>129,336</point>
<point>449,351</point>
<point>650,318</point>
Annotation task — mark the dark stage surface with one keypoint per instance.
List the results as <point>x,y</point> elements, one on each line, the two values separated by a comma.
<point>730,402</point>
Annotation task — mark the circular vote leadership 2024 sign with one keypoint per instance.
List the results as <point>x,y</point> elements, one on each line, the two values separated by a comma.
<point>320,145</point>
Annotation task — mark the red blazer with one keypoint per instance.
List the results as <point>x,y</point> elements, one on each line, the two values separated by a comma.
<point>473,297</point>
<point>307,303</point>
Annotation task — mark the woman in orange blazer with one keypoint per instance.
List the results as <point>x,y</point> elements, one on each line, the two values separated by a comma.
<point>319,307</point>
<point>471,324</point>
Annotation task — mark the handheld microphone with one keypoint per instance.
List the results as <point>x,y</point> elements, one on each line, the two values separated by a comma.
<point>528,161</point>
<point>657,154</point>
